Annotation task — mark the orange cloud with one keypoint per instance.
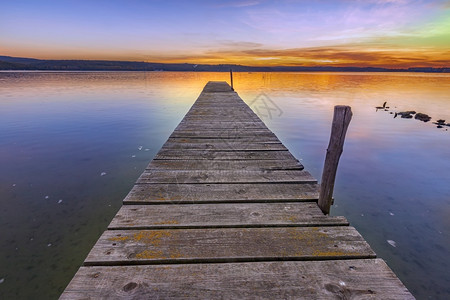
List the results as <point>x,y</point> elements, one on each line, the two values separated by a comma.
<point>318,56</point>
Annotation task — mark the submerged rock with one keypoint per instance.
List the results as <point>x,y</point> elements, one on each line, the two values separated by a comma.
<point>440,123</point>
<point>392,243</point>
<point>407,114</point>
<point>422,117</point>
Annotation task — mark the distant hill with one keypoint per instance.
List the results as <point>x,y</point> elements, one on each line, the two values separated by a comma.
<point>21,63</point>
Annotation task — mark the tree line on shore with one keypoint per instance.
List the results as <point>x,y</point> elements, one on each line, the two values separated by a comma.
<point>19,63</point>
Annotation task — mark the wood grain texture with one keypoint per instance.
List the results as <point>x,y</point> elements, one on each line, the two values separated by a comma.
<point>341,120</point>
<point>217,86</point>
<point>224,155</point>
<point>345,279</point>
<point>225,211</point>
<point>226,176</point>
<point>230,133</point>
<point>224,145</point>
<point>239,139</point>
<point>213,193</point>
<point>222,215</point>
<point>249,165</point>
<point>227,245</point>
<point>189,126</point>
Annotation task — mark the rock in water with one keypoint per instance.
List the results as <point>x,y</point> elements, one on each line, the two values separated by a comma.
<point>392,243</point>
<point>407,114</point>
<point>422,117</point>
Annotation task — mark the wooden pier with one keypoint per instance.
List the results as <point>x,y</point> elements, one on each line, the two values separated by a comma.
<point>225,211</point>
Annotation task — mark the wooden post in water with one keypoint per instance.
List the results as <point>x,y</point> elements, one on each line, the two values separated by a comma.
<point>231,77</point>
<point>341,120</point>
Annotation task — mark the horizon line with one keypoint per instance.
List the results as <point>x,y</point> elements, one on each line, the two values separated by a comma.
<point>230,64</point>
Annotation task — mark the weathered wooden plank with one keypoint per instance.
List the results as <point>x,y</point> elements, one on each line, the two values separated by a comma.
<point>202,164</point>
<point>345,279</point>
<point>223,145</point>
<point>224,155</point>
<point>224,113</point>
<point>219,99</point>
<point>230,126</point>
<point>222,215</point>
<point>221,124</point>
<point>248,139</point>
<point>241,131</point>
<point>211,193</point>
<point>231,110</point>
<point>223,134</point>
<point>219,107</point>
<point>218,145</point>
<point>341,120</point>
<point>219,117</point>
<point>227,245</point>
<point>216,87</point>
<point>226,176</point>
<point>229,119</point>
<point>229,97</point>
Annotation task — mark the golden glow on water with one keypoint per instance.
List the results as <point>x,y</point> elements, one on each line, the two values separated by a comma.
<point>59,131</point>
<point>427,93</point>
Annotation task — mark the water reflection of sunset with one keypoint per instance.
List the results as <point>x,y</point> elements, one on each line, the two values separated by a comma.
<point>426,93</point>
<point>61,130</point>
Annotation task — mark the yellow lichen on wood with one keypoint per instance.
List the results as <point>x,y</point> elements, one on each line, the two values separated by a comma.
<point>151,236</point>
<point>166,222</point>
<point>292,219</point>
<point>118,238</point>
<point>150,254</point>
<point>175,254</point>
<point>312,234</point>
<point>160,196</point>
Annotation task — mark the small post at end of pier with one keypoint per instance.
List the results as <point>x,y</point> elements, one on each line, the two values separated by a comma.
<point>231,79</point>
<point>341,120</point>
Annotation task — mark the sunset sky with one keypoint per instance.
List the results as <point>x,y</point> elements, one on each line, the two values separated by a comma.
<point>387,33</point>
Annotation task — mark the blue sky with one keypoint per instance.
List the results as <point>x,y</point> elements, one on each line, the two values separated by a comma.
<point>395,33</point>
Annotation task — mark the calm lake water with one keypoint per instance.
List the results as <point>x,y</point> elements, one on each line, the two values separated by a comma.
<point>69,153</point>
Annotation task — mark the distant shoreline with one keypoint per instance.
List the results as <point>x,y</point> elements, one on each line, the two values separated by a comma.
<point>175,71</point>
<point>8,63</point>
